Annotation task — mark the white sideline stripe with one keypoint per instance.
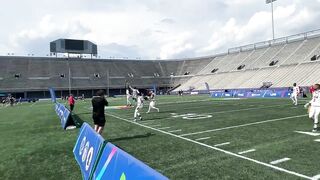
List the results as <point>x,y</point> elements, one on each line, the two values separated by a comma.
<point>164,128</point>
<point>317,140</point>
<point>218,149</point>
<point>243,125</point>
<point>247,151</point>
<point>279,161</point>
<point>147,121</point>
<point>204,138</point>
<point>316,177</point>
<point>308,133</point>
<point>177,130</point>
<point>157,125</point>
<point>222,144</point>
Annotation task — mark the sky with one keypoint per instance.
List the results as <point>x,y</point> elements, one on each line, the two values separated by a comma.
<point>150,29</point>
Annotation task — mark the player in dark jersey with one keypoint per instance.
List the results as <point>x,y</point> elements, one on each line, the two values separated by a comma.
<point>98,104</point>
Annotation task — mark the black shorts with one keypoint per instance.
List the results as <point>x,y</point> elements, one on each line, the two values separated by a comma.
<point>99,120</point>
<point>71,107</point>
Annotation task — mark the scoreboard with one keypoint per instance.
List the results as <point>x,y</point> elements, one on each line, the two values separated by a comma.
<point>73,46</point>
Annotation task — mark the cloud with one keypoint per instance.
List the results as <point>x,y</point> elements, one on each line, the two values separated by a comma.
<point>288,20</point>
<point>168,21</point>
<point>176,45</point>
<point>151,28</point>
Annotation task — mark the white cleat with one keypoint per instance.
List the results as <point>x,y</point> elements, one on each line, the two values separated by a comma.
<point>314,130</point>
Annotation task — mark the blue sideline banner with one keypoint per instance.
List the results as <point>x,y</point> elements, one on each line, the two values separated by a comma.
<point>117,164</point>
<point>63,114</point>
<point>254,94</point>
<point>53,95</point>
<point>86,149</point>
<point>216,94</point>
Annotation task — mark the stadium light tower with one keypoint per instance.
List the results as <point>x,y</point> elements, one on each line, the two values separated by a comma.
<point>271,2</point>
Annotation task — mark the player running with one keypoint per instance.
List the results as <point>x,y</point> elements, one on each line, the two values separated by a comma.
<point>314,109</point>
<point>138,107</point>
<point>295,93</point>
<point>135,93</point>
<point>152,98</point>
<point>128,97</point>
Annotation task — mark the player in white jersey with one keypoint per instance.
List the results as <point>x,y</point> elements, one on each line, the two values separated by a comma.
<point>314,104</point>
<point>295,93</point>
<point>138,107</point>
<point>152,98</point>
<point>135,93</point>
<point>128,97</point>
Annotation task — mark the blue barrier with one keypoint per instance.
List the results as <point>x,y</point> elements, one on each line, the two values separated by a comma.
<point>117,164</point>
<point>86,149</point>
<point>63,113</point>
<point>53,95</point>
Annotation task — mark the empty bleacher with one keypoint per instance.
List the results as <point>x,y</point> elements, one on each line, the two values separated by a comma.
<point>281,62</point>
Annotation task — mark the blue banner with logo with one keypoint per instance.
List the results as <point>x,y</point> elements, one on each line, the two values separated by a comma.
<point>117,164</point>
<point>53,95</point>
<point>86,149</point>
<point>216,94</point>
<point>252,94</point>
<point>63,114</point>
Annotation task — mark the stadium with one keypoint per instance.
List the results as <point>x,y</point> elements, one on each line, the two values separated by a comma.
<point>230,115</point>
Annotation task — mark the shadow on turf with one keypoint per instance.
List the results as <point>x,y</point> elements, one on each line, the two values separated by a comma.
<point>84,113</point>
<point>77,120</point>
<point>131,137</point>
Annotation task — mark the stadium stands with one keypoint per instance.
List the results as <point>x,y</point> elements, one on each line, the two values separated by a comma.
<point>281,62</point>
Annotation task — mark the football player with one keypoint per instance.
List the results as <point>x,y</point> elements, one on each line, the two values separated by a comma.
<point>152,103</point>
<point>135,93</point>
<point>138,107</point>
<point>128,97</point>
<point>295,93</point>
<point>314,109</point>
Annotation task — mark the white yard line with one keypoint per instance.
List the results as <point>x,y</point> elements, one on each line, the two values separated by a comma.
<point>177,130</point>
<point>204,138</point>
<point>317,140</point>
<point>317,177</point>
<point>247,151</point>
<point>221,144</point>
<point>218,149</point>
<point>280,161</point>
<point>164,128</point>
<point>243,125</point>
<point>308,133</point>
<point>146,122</point>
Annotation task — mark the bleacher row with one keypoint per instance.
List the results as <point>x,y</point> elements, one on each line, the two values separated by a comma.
<point>35,73</point>
<point>281,64</point>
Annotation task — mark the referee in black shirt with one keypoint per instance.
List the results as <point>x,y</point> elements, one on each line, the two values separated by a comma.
<point>98,104</point>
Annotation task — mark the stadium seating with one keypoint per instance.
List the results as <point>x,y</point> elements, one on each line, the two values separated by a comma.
<point>280,62</point>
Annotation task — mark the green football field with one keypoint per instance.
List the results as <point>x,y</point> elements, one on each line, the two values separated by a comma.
<point>192,137</point>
